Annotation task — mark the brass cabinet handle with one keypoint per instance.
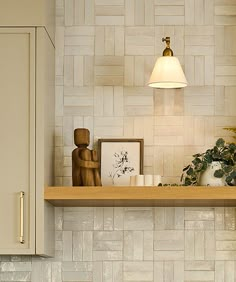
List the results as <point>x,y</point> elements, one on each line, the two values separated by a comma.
<point>22,240</point>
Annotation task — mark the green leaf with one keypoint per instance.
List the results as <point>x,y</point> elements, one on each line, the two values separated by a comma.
<point>232,148</point>
<point>219,173</point>
<point>227,168</point>
<point>196,161</point>
<point>204,166</point>
<point>228,179</point>
<point>208,158</point>
<point>194,178</point>
<point>196,155</point>
<point>187,181</point>
<point>226,155</point>
<point>198,167</point>
<point>233,174</point>
<point>190,171</point>
<point>216,156</point>
<point>220,143</point>
<point>187,167</point>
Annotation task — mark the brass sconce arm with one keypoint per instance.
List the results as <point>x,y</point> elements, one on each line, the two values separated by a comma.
<point>167,51</point>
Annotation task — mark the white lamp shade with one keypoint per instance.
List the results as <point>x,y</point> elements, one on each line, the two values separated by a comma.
<point>167,73</point>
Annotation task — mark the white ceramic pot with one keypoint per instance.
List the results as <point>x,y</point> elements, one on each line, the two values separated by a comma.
<point>207,177</point>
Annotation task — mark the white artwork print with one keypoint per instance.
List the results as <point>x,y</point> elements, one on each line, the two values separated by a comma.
<point>119,161</point>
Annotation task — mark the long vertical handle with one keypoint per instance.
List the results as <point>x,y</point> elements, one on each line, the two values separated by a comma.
<point>22,240</point>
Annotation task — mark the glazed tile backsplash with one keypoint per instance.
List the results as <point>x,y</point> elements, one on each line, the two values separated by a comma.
<point>105,52</point>
<point>134,244</point>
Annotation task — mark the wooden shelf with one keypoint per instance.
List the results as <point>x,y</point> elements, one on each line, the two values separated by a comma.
<point>140,196</point>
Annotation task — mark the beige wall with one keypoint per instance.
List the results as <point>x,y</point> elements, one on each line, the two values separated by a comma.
<point>105,54</point>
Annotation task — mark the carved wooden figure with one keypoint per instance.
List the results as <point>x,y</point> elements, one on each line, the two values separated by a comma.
<point>85,165</point>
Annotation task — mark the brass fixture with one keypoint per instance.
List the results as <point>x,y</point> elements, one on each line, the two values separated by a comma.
<point>167,51</point>
<point>22,194</point>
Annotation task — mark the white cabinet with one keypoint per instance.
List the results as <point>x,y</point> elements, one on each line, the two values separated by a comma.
<point>26,147</point>
<point>17,150</point>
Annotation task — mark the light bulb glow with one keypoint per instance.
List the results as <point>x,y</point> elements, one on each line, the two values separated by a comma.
<point>167,73</point>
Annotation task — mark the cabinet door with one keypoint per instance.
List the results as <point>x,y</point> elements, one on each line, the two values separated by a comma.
<point>17,146</point>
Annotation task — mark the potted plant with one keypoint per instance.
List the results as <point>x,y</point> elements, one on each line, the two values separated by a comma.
<point>223,153</point>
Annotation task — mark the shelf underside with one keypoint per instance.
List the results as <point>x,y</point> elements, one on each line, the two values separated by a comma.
<point>140,196</point>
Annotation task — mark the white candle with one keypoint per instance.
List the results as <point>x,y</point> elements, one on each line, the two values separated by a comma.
<point>148,180</point>
<point>139,180</point>
<point>132,180</point>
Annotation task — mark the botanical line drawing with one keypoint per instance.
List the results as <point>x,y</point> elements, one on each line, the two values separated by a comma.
<point>121,165</point>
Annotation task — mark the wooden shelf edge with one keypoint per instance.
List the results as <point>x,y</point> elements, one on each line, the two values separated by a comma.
<point>141,196</point>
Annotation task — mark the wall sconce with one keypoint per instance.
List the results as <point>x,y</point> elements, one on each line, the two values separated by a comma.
<point>167,72</point>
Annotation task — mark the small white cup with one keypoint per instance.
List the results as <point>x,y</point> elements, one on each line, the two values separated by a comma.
<point>156,180</point>
<point>139,180</point>
<point>148,180</point>
<point>132,180</point>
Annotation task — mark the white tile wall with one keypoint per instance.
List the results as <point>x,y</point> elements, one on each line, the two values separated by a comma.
<point>112,246</point>
<point>111,47</point>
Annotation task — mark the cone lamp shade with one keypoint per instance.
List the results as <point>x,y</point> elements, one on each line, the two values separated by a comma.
<point>167,72</point>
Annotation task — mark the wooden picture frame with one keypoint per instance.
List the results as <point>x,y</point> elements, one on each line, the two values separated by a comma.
<point>119,159</point>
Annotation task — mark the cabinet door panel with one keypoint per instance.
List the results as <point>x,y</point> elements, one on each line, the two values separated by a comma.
<point>17,150</point>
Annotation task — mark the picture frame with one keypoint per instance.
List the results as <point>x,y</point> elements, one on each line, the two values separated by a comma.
<point>119,159</point>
